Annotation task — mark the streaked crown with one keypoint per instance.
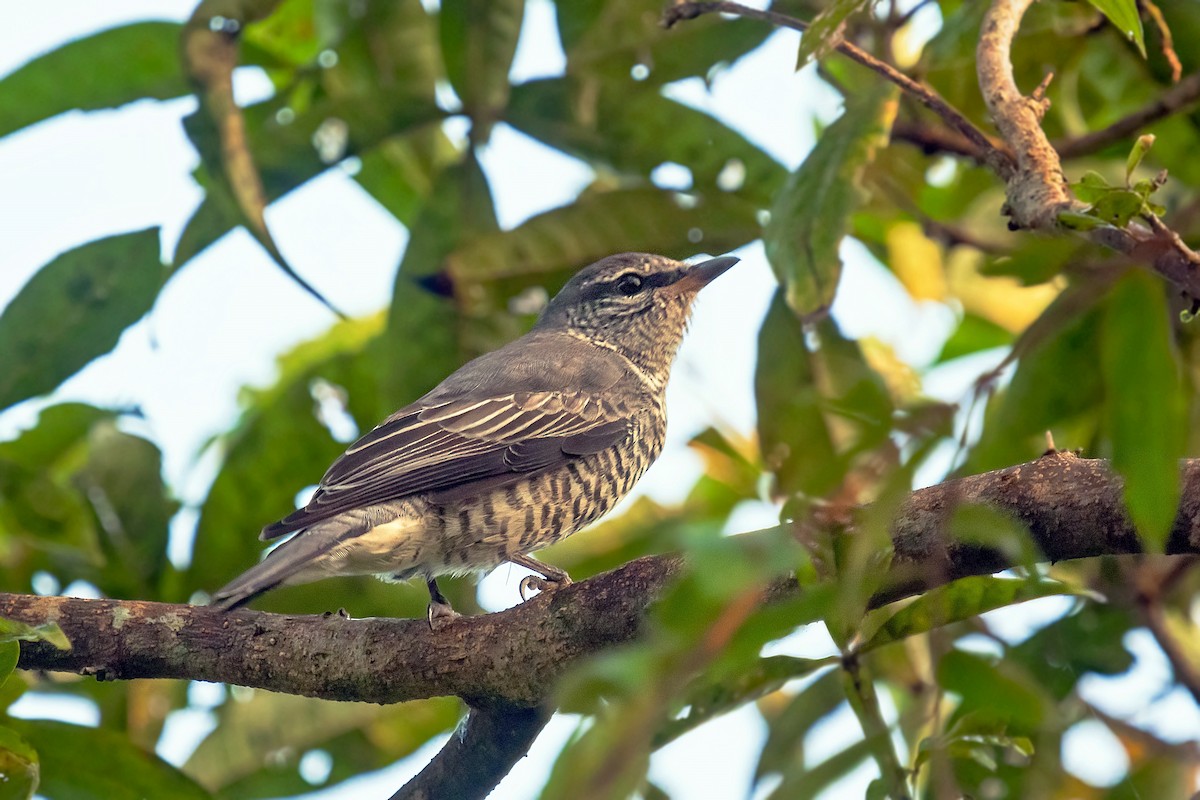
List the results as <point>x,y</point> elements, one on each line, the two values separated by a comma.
<point>635,303</point>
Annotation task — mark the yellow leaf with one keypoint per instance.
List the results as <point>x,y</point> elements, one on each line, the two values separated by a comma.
<point>916,260</point>
<point>1001,299</point>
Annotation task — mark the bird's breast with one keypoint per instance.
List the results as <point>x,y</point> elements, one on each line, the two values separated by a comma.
<point>481,531</point>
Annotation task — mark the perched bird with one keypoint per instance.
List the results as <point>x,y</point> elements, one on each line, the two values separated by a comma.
<point>516,450</point>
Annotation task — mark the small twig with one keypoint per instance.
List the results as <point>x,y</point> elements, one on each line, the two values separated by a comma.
<point>864,701</point>
<point>1149,604</point>
<point>478,754</point>
<point>1175,99</point>
<point>1168,42</point>
<point>995,158</point>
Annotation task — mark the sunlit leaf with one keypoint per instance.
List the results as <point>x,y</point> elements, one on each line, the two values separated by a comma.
<point>104,70</point>
<point>960,600</point>
<point>810,216</point>
<point>12,630</point>
<point>824,33</point>
<point>20,770</point>
<point>1145,408</point>
<point>973,334</point>
<point>92,294</point>
<point>1124,15</point>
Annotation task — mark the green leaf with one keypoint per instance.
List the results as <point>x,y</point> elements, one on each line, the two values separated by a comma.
<point>973,334</point>
<point>1124,15</point>
<point>602,223</point>
<point>825,31</point>
<point>785,739</point>
<point>712,700</point>
<point>805,783</point>
<point>811,213</point>
<point>123,486</point>
<point>792,431</point>
<point>13,631</point>
<point>10,653</point>
<point>79,763</point>
<point>960,600</point>
<point>1136,153</point>
<point>105,70</point>
<point>256,747</point>
<point>479,38</point>
<point>607,128</point>
<point>1001,693</point>
<point>1145,410</point>
<point>91,294</point>
<point>20,770</point>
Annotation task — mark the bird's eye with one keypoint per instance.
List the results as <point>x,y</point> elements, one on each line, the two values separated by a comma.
<point>629,284</point>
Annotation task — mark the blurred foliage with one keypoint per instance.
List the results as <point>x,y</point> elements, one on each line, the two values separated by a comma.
<point>1052,334</point>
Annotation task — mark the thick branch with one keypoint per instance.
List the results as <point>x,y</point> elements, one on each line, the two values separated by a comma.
<point>1037,191</point>
<point>479,754</point>
<point>1072,506</point>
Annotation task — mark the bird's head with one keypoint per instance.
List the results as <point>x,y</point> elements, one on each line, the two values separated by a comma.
<point>636,303</point>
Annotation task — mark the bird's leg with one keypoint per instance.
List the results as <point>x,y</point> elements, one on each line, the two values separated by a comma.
<point>439,606</point>
<point>549,577</point>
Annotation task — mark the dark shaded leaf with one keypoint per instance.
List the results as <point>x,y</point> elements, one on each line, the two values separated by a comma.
<point>1145,409</point>
<point>1000,693</point>
<point>479,38</point>
<point>104,70</point>
<point>811,214</point>
<point>609,129</point>
<point>92,294</point>
<point>792,431</point>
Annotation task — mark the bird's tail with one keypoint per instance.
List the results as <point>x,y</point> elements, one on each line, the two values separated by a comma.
<point>287,562</point>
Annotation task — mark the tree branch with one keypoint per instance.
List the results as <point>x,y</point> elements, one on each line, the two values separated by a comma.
<point>1072,506</point>
<point>1178,98</point>
<point>994,156</point>
<point>479,754</point>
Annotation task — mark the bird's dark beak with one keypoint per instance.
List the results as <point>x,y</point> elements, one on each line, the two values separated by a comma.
<point>700,275</point>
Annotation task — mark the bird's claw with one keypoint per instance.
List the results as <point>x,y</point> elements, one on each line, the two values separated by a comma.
<point>442,612</point>
<point>540,584</point>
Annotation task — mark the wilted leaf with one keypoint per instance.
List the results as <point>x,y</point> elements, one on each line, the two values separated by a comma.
<point>811,213</point>
<point>91,294</point>
<point>106,69</point>
<point>1145,409</point>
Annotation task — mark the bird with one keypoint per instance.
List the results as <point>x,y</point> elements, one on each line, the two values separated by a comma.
<point>512,452</point>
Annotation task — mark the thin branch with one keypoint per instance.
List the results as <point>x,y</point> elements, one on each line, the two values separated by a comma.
<point>487,744</point>
<point>1149,603</point>
<point>994,156</point>
<point>1178,98</point>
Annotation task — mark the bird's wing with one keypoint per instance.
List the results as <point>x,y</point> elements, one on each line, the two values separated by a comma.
<point>441,446</point>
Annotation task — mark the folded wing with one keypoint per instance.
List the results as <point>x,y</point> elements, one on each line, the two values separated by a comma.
<point>449,445</point>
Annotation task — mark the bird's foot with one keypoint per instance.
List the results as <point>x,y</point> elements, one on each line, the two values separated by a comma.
<point>542,584</point>
<point>441,613</point>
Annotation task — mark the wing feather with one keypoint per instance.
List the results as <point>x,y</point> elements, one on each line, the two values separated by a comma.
<point>445,446</point>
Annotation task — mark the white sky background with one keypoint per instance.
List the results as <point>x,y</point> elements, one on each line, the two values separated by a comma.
<point>220,323</point>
